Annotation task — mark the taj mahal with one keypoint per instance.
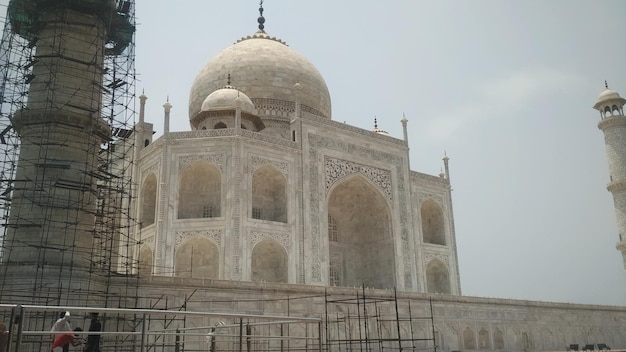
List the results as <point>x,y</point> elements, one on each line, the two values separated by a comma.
<point>264,197</point>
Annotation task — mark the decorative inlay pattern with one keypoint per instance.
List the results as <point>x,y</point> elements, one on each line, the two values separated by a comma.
<point>317,142</point>
<point>337,169</point>
<point>269,139</point>
<point>154,168</point>
<point>282,238</point>
<point>442,257</point>
<point>213,235</point>
<point>421,197</point>
<point>149,241</point>
<point>427,177</point>
<point>256,162</point>
<point>222,132</point>
<point>217,159</point>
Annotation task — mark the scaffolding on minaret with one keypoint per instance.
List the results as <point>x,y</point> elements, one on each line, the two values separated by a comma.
<point>67,110</point>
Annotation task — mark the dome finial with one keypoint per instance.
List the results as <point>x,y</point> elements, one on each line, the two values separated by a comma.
<point>228,80</point>
<point>606,85</point>
<point>261,19</point>
<point>375,123</point>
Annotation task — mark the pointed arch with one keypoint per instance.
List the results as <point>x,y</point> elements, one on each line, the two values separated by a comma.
<point>197,257</point>
<point>269,195</point>
<point>148,200</point>
<point>484,343</point>
<point>437,277</point>
<point>363,253</point>
<point>433,225</point>
<point>220,125</point>
<point>269,262</point>
<point>498,339</point>
<point>199,191</point>
<point>469,340</point>
<point>145,261</point>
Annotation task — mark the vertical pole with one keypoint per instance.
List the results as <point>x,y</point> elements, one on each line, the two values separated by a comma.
<point>282,341</point>
<point>177,343</point>
<point>319,336</point>
<point>248,339</point>
<point>240,335</point>
<point>10,327</point>
<point>395,297</point>
<point>18,320</point>
<point>144,329</point>
<point>432,322</point>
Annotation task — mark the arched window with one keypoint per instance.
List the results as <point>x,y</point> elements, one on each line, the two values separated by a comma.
<point>269,262</point>
<point>469,340</point>
<point>269,195</point>
<point>483,340</point>
<point>146,142</point>
<point>437,278</point>
<point>148,197</point>
<point>498,339</point>
<point>199,191</point>
<point>433,227</point>
<point>219,125</point>
<point>145,261</point>
<point>197,257</point>
<point>333,234</point>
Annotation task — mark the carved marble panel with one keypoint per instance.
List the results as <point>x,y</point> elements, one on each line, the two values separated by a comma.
<point>256,162</point>
<point>216,159</point>
<point>258,236</point>
<point>337,169</point>
<point>213,235</point>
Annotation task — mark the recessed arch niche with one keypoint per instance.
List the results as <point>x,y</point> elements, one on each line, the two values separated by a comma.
<point>199,191</point>
<point>269,195</point>
<point>269,262</point>
<point>437,277</point>
<point>361,251</point>
<point>198,258</point>
<point>145,261</point>
<point>148,200</point>
<point>433,227</point>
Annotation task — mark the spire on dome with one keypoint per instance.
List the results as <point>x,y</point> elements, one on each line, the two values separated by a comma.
<point>375,123</point>
<point>228,80</point>
<point>261,19</point>
<point>606,85</point>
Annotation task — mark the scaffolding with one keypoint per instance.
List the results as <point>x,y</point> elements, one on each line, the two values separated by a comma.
<point>67,108</point>
<point>349,322</point>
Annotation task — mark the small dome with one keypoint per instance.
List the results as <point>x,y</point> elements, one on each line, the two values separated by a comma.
<point>227,98</point>
<point>608,95</point>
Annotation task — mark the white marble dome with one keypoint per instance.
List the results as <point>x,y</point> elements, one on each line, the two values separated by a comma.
<point>227,98</point>
<point>266,69</point>
<point>608,96</point>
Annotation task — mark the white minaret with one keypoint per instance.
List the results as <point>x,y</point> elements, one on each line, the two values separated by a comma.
<point>613,123</point>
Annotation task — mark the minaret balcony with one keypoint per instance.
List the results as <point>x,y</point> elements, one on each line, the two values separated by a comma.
<point>616,186</point>
<point>612,121</point>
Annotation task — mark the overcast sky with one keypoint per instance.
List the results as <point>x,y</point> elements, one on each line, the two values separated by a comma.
<point>506,88</point>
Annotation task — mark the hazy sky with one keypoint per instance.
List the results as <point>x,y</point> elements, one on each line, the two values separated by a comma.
<point>506,88</point>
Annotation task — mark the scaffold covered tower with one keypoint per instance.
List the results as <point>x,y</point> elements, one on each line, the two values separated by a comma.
<point>67,96</point>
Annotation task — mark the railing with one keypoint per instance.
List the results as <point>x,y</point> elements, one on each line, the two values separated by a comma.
<point>144,330</point>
